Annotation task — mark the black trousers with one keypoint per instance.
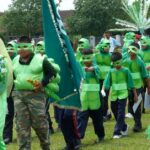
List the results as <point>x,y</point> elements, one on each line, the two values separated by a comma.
<point>118,109</point>
<point>137,115</point>
<point>97,119</point>
<point>8,129</point>
<point>48,115</point>
<point>104,100</point>
<point>68,124</point>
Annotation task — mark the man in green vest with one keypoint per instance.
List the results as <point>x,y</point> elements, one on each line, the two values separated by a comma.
<point>32,73</point>
<point>120,81</point>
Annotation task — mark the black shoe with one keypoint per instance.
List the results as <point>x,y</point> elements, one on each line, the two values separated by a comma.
<point>137,129</point>
<point>7,141</point>
<point>51,131</point>
<point>77,145</point>
<point>100,139</point>
<point>106,118</point>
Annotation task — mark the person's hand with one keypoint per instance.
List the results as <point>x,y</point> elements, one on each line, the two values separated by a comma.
<point>148,90</point>
<point>37,86</point>
<point>135,98</point>
<point>89,69</point>
<point>103,93</point>
<point>148,67</point>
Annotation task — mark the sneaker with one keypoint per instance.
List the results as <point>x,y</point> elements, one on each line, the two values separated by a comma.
<point>117,136</point>
<point>125,133</point>
<point>129,115</point>
<point>7,141</point>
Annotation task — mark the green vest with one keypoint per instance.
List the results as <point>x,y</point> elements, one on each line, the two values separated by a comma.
<point>104,63</point>
<point>146,59</point>
<point>90,92</point>
<point>134,67</point>
<point>119,84</point>
<point>24,73</point>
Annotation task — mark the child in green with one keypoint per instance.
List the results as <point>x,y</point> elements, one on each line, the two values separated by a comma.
<point>103,59</point>
<point>139,74</point>
<point>91,106</point>
<point>145,52</point>
<point>120,81</point>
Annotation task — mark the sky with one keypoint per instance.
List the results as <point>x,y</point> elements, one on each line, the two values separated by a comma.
<point>65,5</point>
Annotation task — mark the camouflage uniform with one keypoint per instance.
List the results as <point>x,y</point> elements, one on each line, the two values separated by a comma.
<point>30,112</point>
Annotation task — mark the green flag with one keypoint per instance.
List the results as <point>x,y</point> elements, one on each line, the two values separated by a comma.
<point>58,47</point>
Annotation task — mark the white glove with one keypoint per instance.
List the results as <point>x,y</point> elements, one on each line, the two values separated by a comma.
<point>103,93</point>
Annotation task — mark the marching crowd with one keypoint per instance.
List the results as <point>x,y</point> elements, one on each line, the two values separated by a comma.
<point>110,71</point>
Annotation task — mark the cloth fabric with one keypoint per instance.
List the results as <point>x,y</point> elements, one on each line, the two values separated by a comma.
<point>30,112</point>
<point>3,111</point>
<point>137,115</point>
<point>118,109</point>
<point>120,81</point>
<point>97,119</point>
<point>8,129</point>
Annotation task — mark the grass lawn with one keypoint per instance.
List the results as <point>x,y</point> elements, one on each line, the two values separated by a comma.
<point>134,141</point>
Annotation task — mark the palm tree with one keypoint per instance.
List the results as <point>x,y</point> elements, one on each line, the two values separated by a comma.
<point>137,10</point>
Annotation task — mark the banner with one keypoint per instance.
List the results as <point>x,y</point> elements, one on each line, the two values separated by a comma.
<point>58,46</point>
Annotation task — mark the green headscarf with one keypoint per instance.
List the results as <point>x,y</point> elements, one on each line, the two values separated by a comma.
<point>103,44</point>
<point>145,41</point>
<point>40,47</point>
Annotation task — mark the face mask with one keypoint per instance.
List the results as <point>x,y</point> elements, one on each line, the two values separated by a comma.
<point>117,63</point>
<point>132,49</point>
<point>25,46</point>
<point>144,43</point>
<point>39,49</point>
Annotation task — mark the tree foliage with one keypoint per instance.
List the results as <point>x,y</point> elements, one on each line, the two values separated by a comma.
<point>93,17</point>
<point>138,13</point>
<point>23,17</point>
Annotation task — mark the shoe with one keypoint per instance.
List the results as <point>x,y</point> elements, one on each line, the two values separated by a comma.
<point>7,141</point>
<point>117,136</point>
<point>77,145</point>
<point>107,117</point>
<point>51,131</point>
<point>137,129</point>
<point>100,139</point>
<point>129,115</point>
<point>125,133</point>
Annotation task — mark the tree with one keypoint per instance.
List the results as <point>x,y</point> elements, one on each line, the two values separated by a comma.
<point>137,11</point>
<point>93,17</point>
<point>23,17</point>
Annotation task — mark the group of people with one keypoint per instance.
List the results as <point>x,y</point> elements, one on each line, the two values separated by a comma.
<point>109,72</point>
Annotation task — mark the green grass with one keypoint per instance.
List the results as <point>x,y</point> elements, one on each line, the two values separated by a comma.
<point>134,141</point>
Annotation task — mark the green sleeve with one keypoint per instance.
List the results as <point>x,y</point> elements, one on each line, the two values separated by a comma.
<point>96,67</point>
<point>130,83</point>
<point>143,70</point>
<point>107,81</point>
